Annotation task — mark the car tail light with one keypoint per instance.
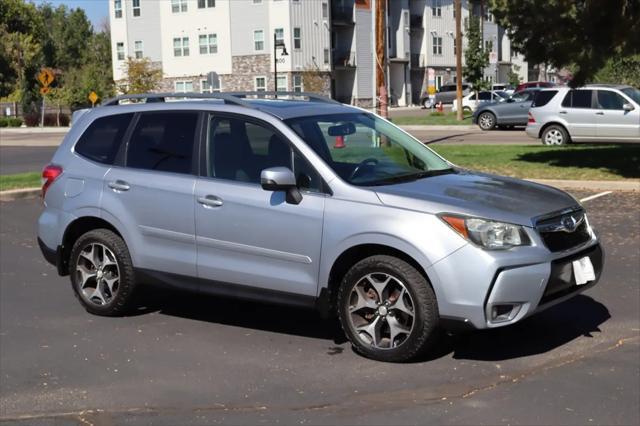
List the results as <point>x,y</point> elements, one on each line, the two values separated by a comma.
<point>531,119</point>
<point>50,173</point>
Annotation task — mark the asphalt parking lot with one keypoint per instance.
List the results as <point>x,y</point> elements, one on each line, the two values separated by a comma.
<point>191,359</point>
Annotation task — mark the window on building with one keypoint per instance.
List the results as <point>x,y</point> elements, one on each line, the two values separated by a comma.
<point>101,141</point>
<point>326,56</point>
<point>488,16</point>
<point>437,45</point>
<point>488,45</point>
<point>436,8</point>
<point>405,18</point>
<point>281,83</point>
<point>297,40</point>
<point>178,6</point>
<point>279,34</point>
<point>117,8</point>
<point>205,87</point>
<point>258,40</point>
<point>438,82</point>
<point>137,49</point>
<point>206,3</point>
<point>261,84</point>
<point>297,83</point>
<point>120,51</point>
<point>183,86</point>
<point>325,11</point>
<point>163,141</point>
<point>136,7</point>
<point>181,46</point>
<point>455,47</point>
<point>208,43</point>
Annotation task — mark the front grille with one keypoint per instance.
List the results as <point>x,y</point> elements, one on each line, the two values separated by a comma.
<point>557,237</point>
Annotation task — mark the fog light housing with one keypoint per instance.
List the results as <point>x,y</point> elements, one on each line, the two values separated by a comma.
<point>504,312</point>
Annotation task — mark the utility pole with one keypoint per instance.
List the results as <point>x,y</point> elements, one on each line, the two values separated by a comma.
<point>458,7</point>
<point>381,79</point>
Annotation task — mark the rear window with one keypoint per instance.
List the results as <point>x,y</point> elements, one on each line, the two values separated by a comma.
<point>163,141</point>
<point>102,139</point>
<point>577,99</point>
<point>543,97</point>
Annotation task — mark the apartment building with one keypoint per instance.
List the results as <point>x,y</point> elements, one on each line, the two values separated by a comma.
<point>329,44</point>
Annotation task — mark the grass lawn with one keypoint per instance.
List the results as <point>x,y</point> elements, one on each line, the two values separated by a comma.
<point>432,119</point>
<point>588,162</point>
<point>20,180</point>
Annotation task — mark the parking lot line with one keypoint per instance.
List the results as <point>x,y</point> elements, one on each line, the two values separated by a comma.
<point>593,197</point>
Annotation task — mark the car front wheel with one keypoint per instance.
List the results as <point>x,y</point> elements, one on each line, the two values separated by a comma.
<point>555,135</point>
<point>387,309</point>
<point>427,103</point>
<point>486,121</point>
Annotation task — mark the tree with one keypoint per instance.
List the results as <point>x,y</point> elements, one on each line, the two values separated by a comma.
<point>22,55</point>
<point>141,76</point>
<point>513,76</point>
<point>583,34</point>
<point>625,70</point>
<point>476,57</point>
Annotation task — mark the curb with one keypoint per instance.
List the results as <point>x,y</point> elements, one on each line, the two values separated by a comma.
<point>20,194</point>
<point>592,185</point>
<point>419,127</point>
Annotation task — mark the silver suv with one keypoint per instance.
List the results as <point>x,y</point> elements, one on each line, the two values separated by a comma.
<point>595,113</point>
<point>307,202</point>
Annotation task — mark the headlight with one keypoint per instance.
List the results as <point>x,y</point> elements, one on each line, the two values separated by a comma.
<point>488,233</point>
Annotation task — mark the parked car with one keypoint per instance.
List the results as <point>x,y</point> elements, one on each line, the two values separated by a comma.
<point>595,113</point>
<point>512,112</point>
<point>504,87</point>
<point>471,101</point>
<point>298,201</point>
<point>446,94</point>
<point>531,84</point>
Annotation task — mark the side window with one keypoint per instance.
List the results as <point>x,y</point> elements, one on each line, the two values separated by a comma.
<point>484,96</point>
<point>239,150</point>
<point>610,100</point>
<point>543,97</point>
<point>163,141</point>
<point>577,99</point>
<point>102,139</point>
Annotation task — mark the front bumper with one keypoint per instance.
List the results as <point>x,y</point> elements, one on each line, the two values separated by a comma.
<point>482,289</point>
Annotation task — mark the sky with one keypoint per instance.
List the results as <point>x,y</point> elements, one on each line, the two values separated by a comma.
<point>96,10</point>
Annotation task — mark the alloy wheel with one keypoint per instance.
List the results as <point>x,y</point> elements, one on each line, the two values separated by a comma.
<point>554,137</point>
<point>486,121</point>
<point>381,311</point>
<point>97,274</point>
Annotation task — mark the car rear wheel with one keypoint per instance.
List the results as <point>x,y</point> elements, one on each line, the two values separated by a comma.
<point>486,121</point>
<point>555,135</point>
<point>102,273</point>
<point>387,309</point>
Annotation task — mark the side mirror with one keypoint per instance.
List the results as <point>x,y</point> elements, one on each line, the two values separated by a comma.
<point>281,179</point>
<point>627,107</point>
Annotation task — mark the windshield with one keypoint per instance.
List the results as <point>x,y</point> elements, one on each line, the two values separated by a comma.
<point>632,93</point>
<point>366,150</point>
<point>502,95</point>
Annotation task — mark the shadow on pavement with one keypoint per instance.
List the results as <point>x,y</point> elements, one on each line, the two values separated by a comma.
<point>622,160</point>
<point>558,325</point>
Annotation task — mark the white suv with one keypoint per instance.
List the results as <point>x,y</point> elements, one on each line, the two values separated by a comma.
<point>595,113</point>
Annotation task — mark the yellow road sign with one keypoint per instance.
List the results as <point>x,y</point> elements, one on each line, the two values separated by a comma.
<point>93,97</point>
<point>432,90</point>
<point>44,90</point>
<point>46,77</point>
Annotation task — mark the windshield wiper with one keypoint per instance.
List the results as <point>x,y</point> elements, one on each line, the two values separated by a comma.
<point>410,177</point>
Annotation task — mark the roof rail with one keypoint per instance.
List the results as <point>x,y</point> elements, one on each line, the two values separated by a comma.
<point>160,97</point>
<point>234,98</point>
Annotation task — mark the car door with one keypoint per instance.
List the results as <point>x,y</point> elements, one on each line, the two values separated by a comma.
<point>151,192</point>
<point>246,236</point>
<point>613,122</point>
<point>579,113</point>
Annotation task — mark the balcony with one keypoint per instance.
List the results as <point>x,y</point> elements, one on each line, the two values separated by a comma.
<point>344,59</point>
<point>418,60</point>
<point>342,16</point>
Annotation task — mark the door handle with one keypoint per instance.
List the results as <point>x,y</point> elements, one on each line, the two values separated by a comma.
<point>119,185</point>
<point>210,201</point>
<point>599,113</point>
<point>563,112</point>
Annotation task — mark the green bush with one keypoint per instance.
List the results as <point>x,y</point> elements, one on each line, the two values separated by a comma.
<point>10,122</point>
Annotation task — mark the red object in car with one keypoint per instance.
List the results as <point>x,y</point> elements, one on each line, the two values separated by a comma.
<point>529,84</point>
<point>531,119</point>
<point>50,173</point>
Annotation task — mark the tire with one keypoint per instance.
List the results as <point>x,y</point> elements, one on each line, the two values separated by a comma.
<point>107,287</point>
<point>555,135</point>
<point>426,103</point>
<point>486,120</point>
<point>409,305</point>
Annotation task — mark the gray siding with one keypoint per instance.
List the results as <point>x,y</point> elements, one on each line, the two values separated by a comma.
<point>364,53</point>
<point>145,28</point>
<point>307,15</point>
<point>245,17</point>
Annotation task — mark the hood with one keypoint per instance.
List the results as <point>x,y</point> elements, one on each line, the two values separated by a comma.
<point>478,194</point>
